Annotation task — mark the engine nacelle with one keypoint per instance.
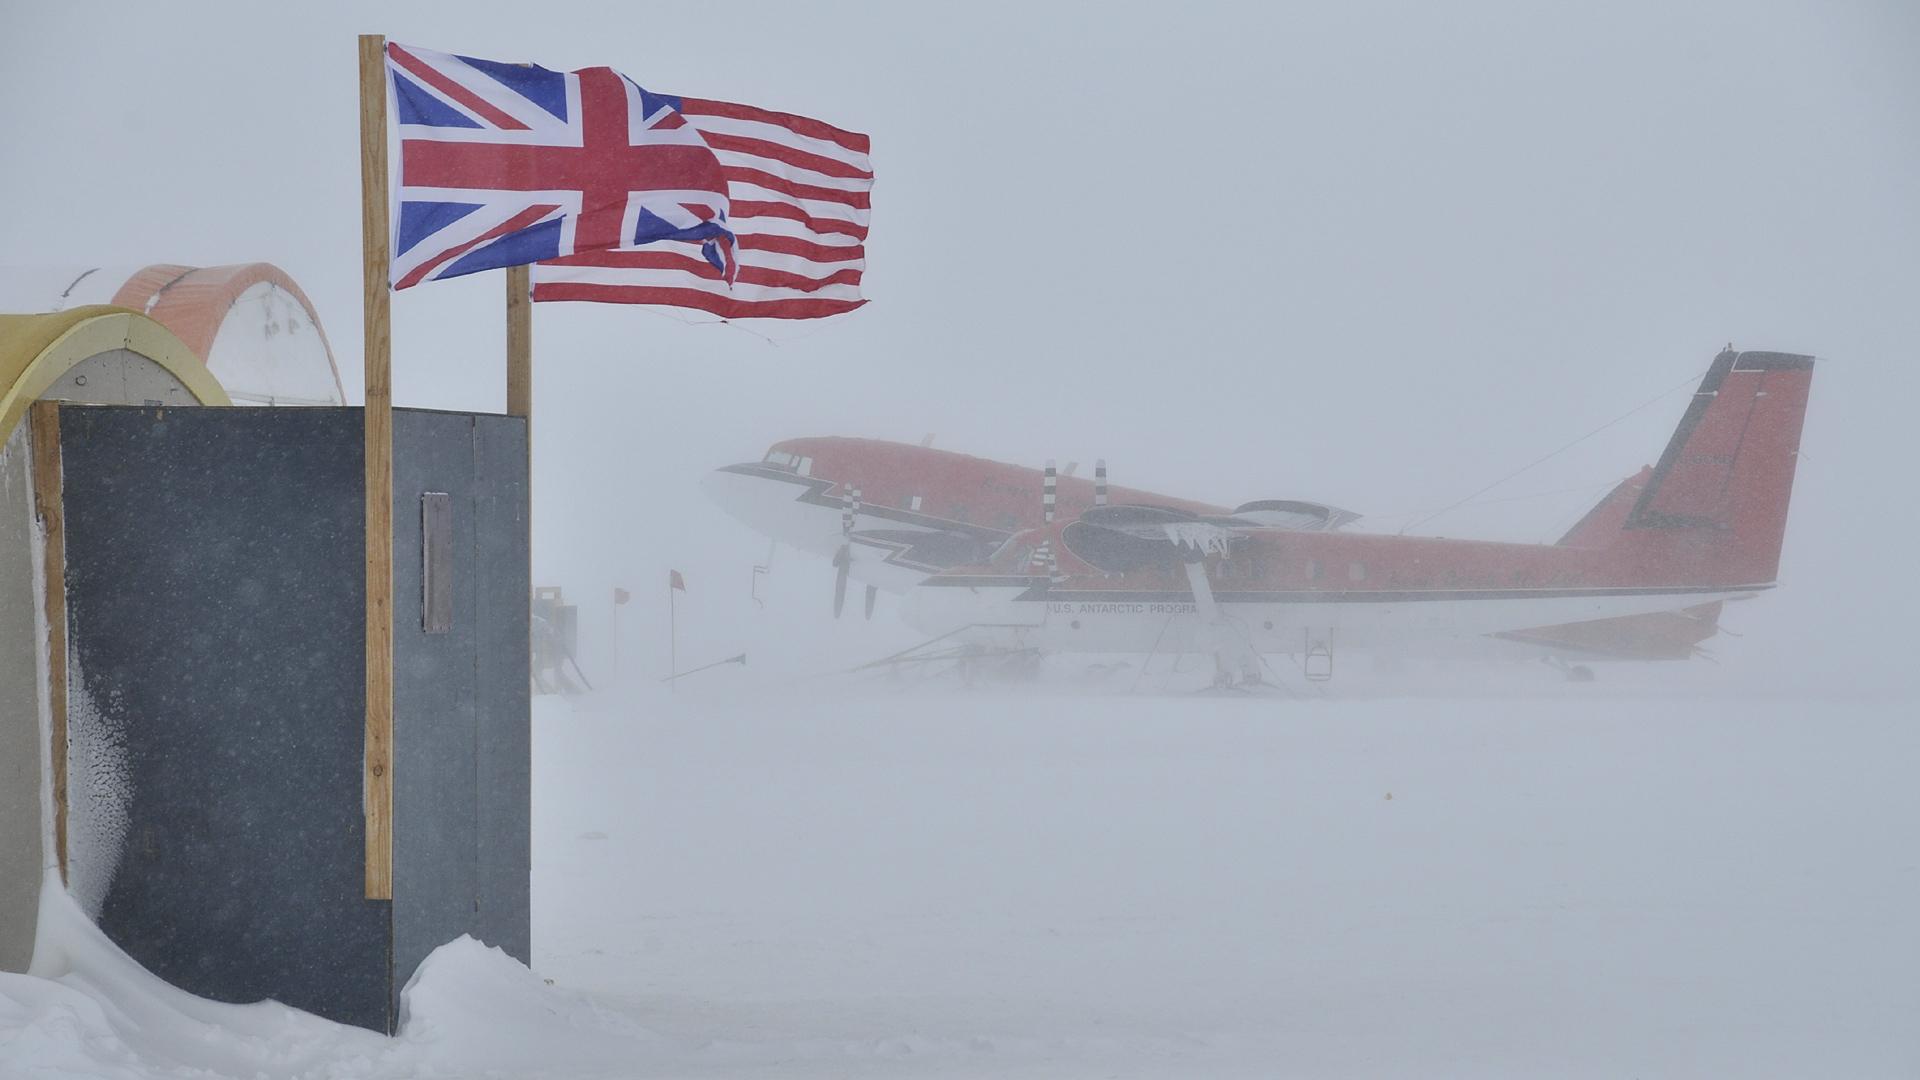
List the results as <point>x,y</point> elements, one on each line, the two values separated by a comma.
<point>1294,515</point>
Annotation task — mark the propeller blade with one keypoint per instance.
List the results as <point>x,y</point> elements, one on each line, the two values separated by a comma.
<point>841,562</point>
<point>843,559</point>
<point>872,592</point>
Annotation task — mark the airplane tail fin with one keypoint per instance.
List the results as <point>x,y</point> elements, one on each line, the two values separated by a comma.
<point>1714,510</point>
<point>1608,516</point>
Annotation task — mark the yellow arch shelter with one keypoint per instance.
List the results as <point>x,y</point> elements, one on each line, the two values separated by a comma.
<point>102,355</point>
<point>40,353</point>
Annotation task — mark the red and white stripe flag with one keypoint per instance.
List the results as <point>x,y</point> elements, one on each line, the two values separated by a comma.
<point>799,193</point>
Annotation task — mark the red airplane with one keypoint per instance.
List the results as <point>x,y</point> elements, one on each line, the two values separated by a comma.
<point>1022,561</point>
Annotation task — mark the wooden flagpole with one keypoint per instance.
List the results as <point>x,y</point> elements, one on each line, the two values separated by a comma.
<point>519,342</point>
<point>375,266</point>
<point>520,396</point>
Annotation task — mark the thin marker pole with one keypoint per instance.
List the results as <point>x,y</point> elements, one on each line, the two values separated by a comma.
<point>613,646</point>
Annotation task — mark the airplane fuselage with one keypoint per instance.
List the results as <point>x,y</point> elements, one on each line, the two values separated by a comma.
<point>972,544</point>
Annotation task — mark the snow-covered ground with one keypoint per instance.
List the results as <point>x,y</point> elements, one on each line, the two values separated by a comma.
<point>1581,881</point>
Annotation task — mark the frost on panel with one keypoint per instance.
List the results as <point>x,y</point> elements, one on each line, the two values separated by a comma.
<point>99,793</point>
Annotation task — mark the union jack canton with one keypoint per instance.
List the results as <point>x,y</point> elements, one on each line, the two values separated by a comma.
<point>503,164</point>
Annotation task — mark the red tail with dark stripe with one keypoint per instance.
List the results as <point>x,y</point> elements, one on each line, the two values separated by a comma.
<point>1714,510</point>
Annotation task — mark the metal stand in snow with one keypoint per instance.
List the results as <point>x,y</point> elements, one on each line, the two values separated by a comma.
<point>970,663</point>
<point>741,660</point>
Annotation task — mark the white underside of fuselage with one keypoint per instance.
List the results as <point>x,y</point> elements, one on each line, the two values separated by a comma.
<point>1063,621</point>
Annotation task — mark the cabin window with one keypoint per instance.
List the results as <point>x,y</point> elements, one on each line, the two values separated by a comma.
<point>913,503</point>
<point>1356,571</point>
<point>1313,570</point>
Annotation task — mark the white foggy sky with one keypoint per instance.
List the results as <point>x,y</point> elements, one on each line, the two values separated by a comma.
<point>1377,255</point>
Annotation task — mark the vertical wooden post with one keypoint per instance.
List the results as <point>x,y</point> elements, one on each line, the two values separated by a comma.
<point>519,342</point>
<point>520,397</point>
<point>374,265</point>
<point>44,424</point>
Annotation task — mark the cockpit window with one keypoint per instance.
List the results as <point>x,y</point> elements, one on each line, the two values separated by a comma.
<point>780,459</point>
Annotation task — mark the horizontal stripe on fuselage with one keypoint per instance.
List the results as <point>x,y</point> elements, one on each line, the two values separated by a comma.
<point>816,489</point>
<point>1039,589</point>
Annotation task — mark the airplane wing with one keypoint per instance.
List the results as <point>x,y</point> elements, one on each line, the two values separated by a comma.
<point>1119,538</point>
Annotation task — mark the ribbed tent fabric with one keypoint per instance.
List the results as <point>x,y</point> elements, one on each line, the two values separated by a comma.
<point>36,350</point>
<point>249,323</point>
<point>195,303</point>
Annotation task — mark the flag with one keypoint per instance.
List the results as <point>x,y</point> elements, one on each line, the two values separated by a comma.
<point>621,596</point>
<point>799,192</point>
<point>503,164</point>
<point>675,581</point>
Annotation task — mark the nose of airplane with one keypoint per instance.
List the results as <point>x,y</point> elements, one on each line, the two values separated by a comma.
<point>774,504</point>
<point>729,488</point>
<point>764,500</point>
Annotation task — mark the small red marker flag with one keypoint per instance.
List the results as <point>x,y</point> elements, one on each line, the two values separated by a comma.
<point>675,581</point>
